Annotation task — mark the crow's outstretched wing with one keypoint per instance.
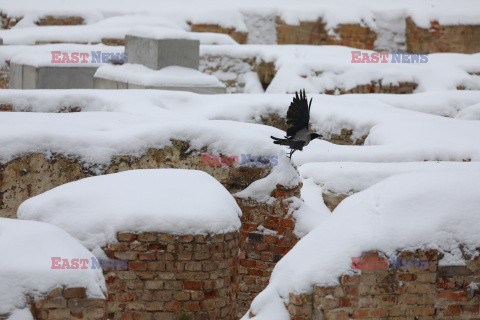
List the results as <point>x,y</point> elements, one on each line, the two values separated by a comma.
<point>298,114</point>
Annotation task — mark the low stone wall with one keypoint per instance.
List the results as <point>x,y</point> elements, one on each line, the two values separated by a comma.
<point>70,303</point>
<point>378,87</point>
<point>60,21</point>
<point>426,291</point>
<point>440,38</point>
<point>240,37</point>
<point>30,175</point>
<point>314,32</point>
<point>266,236</point>
<point>174,277</point>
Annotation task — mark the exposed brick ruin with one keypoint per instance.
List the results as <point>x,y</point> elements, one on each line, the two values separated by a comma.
<point>69,304</point>
<point>30,175</point>
<point>59,21</point>
<point>314,32</point>
<point>440,38</point>
<point>429,292</point>
<point>260,250</point>
<point>8,22</point>
<point>378,87</point>
<point>240,37</point>
<point>174,277</point>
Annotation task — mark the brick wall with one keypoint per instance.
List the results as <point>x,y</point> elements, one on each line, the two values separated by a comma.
<point>260,250</point>
<point>378,87</point>
<point>70,303</point>
<point>427,292</point>
<point>440,38</point>
<point>30,175</point>
<point>240,37</point>
<point>306,32</point>
<point>59,21</point>
<point>174,277</point>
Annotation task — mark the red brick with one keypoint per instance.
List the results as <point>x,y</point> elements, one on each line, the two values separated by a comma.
<point>75,293</point>
<point>451,295</point>
<point>192,285</point>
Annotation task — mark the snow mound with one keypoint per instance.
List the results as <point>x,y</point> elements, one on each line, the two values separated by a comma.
<point>169,76</point>
<point>174,201</point>
<point>27,248</point>
<point>350,177</point>
<point>437,210</point>
<point>470,113</point>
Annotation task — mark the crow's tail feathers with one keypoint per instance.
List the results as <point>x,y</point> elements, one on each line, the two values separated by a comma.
<point>283,142</point>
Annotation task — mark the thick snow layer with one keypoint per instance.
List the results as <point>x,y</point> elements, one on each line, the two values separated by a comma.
<point>351,177</point>
<point>130,121</point>
<point>437,210</point>
<point>96,137</point>
<point>27,248</point>
<point>174,201</point>
<point>169,76</point>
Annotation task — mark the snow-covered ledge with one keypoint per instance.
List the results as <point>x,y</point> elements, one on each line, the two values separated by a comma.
<point>172,235</point>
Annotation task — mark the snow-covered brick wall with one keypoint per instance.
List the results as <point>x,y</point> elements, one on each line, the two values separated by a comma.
<point>365,25</point>
<point>28,278</point>
<point>178,229</point>
<point>411,212</point>
<point>95,209</point>
<point>412,285</point>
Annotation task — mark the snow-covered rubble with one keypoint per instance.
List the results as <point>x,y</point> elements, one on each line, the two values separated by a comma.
<point>94,210</point>
<point>437,210</point>
<point>26,264</point>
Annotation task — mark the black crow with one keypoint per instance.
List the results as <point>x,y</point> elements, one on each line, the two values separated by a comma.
<point>298,116</point>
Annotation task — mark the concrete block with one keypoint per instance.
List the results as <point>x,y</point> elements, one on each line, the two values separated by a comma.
<point>160,53</point>
<point>47,77</point>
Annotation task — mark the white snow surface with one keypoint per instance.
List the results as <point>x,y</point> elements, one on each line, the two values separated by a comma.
<point>175,201</point>
<point>128,122</point>
<point>351,177</point>
<point>437,210</point>
<point>25,267</point>
<point>168,76</point>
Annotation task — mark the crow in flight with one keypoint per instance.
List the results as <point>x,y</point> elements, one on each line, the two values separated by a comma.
<point>298,116</point>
